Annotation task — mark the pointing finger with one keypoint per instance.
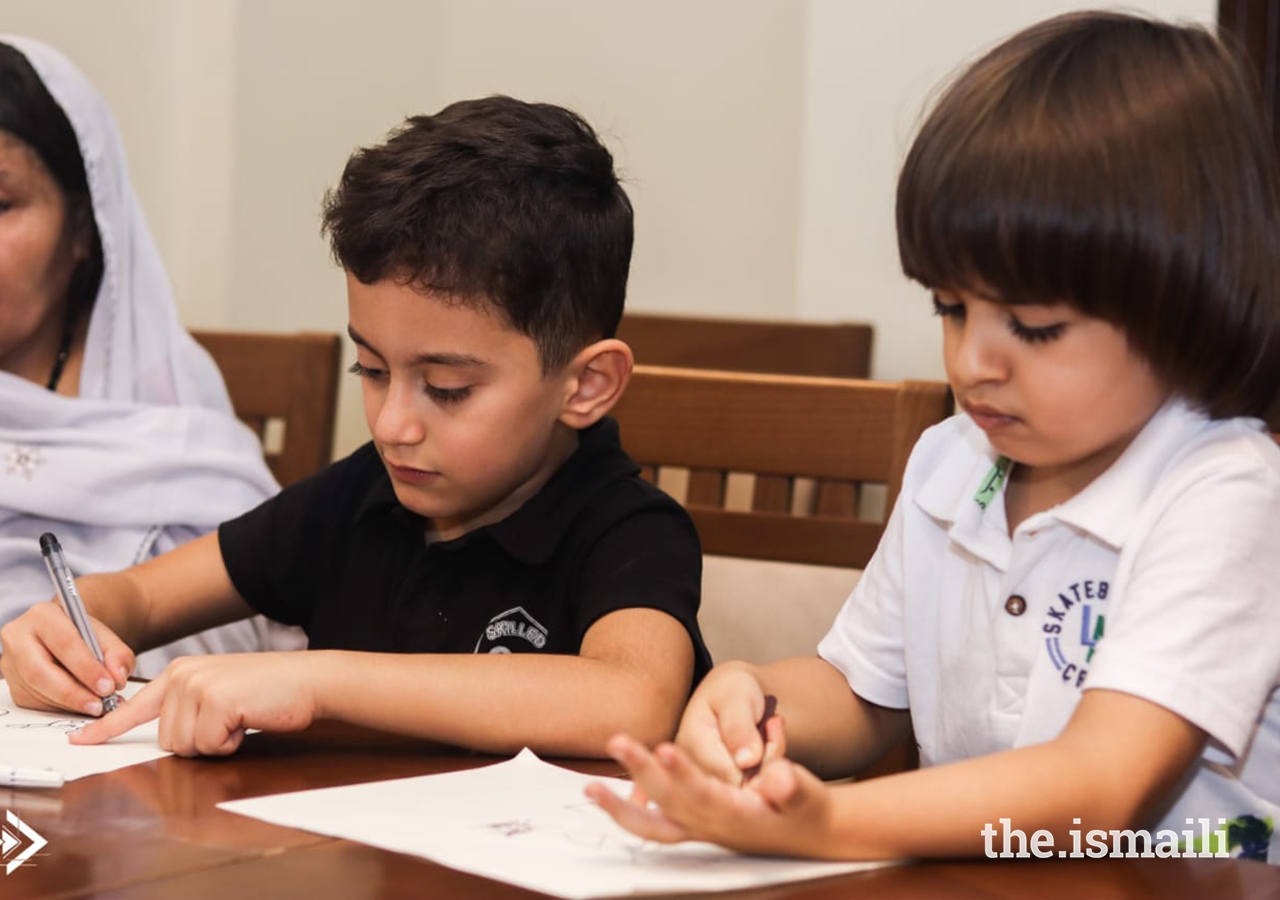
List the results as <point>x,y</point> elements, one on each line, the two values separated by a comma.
<point>143,707</point>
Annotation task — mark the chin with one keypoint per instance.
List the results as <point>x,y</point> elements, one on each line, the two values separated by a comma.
<point>419,505</point>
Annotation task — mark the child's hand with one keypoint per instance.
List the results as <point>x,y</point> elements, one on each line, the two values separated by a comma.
<point>783,811</point>
<point>49,666</point>
<point>721,726</point>
<point>206,703</point>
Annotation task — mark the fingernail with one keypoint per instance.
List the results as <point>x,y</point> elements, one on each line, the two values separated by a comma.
<point>122,675</point>
<point>743,756</point>
<point>105,686</point>
<point>93,707</point>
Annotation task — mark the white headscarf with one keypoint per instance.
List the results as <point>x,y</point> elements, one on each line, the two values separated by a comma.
<point>149,454</point>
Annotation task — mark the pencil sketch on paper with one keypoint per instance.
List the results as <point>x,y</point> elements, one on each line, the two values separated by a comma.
<point>512,828</point>
<point>526,822</point>
<point>31,737</point>
<point>56,724</point>
<point>584,825</point>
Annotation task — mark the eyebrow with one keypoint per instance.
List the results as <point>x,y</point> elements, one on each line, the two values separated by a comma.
<point>423,359</point>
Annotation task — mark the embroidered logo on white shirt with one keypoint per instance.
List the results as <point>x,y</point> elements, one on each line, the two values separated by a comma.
<point>1077,611</point>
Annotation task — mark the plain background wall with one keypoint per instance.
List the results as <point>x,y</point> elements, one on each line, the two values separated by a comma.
<point>759,139</point>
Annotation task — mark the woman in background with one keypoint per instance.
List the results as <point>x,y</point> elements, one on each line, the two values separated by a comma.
<point>116,432</point>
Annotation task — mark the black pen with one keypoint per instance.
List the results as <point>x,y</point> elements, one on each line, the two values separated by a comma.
<point>56,563</point>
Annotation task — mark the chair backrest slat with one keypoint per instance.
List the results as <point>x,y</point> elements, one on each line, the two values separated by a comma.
<point>287,380</point>
<point>846,432</point>
<point>841,349</point>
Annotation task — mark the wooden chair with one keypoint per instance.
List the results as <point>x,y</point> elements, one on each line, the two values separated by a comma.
<point>841,430</point>
<point>840,350</point>
<point>284,387</point>
<point>835,350</point>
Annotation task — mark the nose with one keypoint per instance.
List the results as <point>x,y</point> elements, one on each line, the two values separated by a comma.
<point>398,419</point>
<point>975,351</point>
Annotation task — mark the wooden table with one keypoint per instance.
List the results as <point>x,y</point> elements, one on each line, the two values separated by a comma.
<point>153,831</point>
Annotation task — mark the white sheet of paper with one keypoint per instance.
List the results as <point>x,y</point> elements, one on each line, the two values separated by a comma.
<point>526,822</point>
<point>38,740</point>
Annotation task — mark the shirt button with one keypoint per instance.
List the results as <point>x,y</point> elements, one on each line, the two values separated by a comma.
<point>1015,605</point>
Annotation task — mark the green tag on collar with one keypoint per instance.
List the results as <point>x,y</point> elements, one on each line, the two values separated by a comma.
<point>992,483</point>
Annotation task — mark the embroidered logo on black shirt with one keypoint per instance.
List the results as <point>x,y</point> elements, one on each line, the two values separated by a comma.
<point>508,631</point>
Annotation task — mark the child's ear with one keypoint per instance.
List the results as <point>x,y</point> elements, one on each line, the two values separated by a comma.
<point>597,377</point>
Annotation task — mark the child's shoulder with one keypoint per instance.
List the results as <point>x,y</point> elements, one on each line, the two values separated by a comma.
<point>1202,450</point>
<point>625,495</point>
<point>953,442</point>
<point>343,486</point>
<point>598,493</point>
<point>946,464</point>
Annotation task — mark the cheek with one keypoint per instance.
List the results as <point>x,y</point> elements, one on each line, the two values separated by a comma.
<point>950,344</point>
<point>372,401</point>
<point>34,276</point>
<point>27,296</point>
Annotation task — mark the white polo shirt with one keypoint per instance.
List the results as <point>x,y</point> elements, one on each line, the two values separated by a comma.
<point>1160,579</point>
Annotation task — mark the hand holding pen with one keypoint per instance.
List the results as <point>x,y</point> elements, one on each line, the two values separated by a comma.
<point>65,585</point>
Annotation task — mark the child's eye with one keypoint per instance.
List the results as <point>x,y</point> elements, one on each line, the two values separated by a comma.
<point>947,310</point>
<point>1035,335</point>
<point>369,372</point>
<point>447,395</point>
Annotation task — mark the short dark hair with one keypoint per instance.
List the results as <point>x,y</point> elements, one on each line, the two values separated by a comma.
<point>495,201</point>
<point>1119,164</point>
<point>29,113</point>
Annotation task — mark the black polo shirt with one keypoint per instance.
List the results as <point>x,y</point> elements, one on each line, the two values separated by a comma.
<point>338,555</point>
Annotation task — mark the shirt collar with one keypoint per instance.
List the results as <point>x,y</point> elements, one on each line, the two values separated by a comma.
<point>949,495</point>
<point>949,489</point>
<point>1106,508</point>
<point>533,532</point>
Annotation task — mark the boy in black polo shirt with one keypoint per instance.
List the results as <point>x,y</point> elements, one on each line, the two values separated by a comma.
<point>490,570</point>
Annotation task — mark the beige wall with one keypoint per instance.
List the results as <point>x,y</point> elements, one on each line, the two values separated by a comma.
<point>759,138</point>
<point>869,70</point>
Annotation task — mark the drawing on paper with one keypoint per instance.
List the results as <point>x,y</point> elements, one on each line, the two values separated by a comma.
<point>585,825</point>
<point>56,724</point>
<point>511,829</point>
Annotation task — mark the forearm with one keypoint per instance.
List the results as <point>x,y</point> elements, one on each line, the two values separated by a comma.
<point>830,730</point>
<point>555,704</point>
<point>951,805</point>
<point>171,596</point>
<point>116,600</point>
<point>1097,774</point>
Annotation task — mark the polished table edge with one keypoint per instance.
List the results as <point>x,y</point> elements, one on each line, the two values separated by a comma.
<point>154,830</point>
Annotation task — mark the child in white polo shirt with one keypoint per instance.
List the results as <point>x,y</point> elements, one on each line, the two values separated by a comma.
<point>1076,603</point>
